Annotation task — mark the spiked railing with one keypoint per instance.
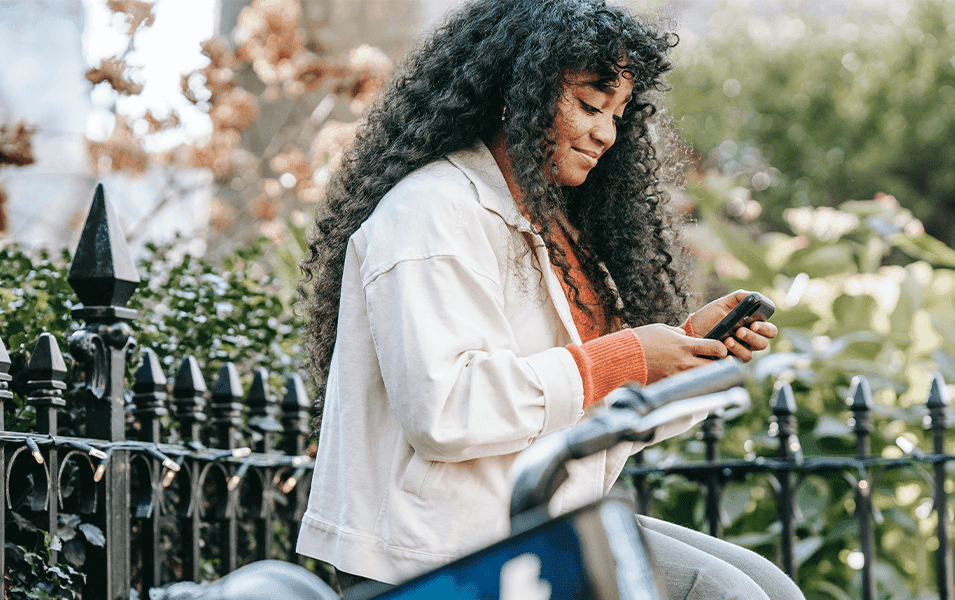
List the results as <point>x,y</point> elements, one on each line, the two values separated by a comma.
<point>858,470</point>
<point>179,460</point>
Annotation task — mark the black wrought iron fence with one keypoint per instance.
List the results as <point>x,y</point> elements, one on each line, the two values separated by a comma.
<point>230,474</point>
<point>789,467</point>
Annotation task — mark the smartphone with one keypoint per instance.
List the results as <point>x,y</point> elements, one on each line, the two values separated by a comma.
<point>755,307</point>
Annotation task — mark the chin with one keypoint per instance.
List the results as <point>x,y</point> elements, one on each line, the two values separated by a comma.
<point>572,179</point>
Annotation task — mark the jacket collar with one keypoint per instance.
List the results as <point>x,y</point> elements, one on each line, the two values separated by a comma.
<point>479,166</point>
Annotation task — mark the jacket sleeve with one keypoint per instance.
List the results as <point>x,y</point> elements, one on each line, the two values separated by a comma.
<point>450,365</point>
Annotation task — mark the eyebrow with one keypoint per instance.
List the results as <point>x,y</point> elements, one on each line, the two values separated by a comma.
<point>602,85</point>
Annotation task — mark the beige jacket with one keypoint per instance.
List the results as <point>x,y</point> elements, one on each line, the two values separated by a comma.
<point>450,360</point>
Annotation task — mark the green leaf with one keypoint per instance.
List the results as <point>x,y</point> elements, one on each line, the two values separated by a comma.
<point>910,299</point>
<point>806,547</point>
<point>66,526</point>
<point>925,247</point>
<point>23,523</point>
<point>74,552</point>
<point>736,499</point>
<point>93,534</point>
<point>853,313</point>
<point>825,260</point>
<point>832,590</point>
<point>827,426</point>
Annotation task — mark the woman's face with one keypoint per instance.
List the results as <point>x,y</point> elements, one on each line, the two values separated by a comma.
<point>586,123</point>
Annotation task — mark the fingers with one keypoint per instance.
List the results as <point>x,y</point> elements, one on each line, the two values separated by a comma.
<point>738,350</point>
<point>765,329</point>
<point>710,348</point>
<point>738,296</point>
<point>747,340</point>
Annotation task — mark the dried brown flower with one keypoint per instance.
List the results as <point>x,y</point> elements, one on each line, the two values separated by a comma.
<point>138,13</point>
<point>330,144</point>
<point>114,71</point>
<point>157,124</point>
<point>294,162</point>
<point>122,151</point>
<point>236,109</point>
<point>16,146</point>
<point>221,215</point>
<point>217,154</point>
<point>219,52</point>
<point>3,212</point>
<point>270,36</point>
<point>265,208</point>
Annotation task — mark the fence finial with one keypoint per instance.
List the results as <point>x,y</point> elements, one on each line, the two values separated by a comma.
<point>189,392</point>
<point>46,371</point>
<point>784,403</point>
<point>149,395</point>
<point>860,402</point>
<point>227,406</point>
<point>102,272</point>
<point>295,419</point>
<point>860,394</point>
<point>938,396</point>
<point>5,378</point>
<point>262,411</point>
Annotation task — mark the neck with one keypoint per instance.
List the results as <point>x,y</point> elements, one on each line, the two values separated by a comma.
<point>498,147</point>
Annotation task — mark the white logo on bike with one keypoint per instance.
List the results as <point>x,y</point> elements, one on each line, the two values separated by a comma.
<point>520,579</point>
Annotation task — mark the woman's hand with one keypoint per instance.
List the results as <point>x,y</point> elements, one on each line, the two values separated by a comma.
<point>744,340</point>
<point>668,350</point>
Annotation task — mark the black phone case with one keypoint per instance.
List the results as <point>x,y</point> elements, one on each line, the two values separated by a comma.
<point>754,307</point>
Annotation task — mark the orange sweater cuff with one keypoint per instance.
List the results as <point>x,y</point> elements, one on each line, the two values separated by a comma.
<point>688,326</point>
<point>608,362</point>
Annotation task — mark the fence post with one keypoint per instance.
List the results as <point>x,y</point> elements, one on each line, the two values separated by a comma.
<point>5,394</point>
<point>262,411</point>
<point>640,486</point>
<point>104,278</point>
<point>296,428</point>
<point>860,402</point>
<point>784,408</point>
<point>296,425</point>
<point>937,403</point>
<point>46,372</point>
<point>189,401</point>
<point>149,405</point>
<point>712,434</point>
<point>226,420</point>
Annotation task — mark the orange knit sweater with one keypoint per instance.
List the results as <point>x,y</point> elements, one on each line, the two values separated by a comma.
<point>605,360</point>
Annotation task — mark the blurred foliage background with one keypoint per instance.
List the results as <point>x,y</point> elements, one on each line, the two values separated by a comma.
<point>818,171</point>
<point>817,113</point>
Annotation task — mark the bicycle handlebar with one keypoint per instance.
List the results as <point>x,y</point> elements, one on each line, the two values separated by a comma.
<point>540,469</point>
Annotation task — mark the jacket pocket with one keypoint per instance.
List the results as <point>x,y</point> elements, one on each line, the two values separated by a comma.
<point>416,475</point>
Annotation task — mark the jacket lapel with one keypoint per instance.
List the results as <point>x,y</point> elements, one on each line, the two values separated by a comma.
<point>481,168</point>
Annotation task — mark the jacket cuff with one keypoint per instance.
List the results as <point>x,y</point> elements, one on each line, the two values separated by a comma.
<point>563,404</point>
<point>608,362</point>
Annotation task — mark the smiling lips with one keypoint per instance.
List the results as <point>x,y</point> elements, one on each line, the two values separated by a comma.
<point>589,155</point>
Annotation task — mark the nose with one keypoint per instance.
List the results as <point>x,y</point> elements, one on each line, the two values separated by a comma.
<point>605,131</point>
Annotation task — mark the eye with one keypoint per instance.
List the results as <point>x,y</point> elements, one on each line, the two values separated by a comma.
<point>590,110</point>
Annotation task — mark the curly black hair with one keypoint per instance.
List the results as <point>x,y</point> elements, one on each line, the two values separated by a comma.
<point>451,91</point>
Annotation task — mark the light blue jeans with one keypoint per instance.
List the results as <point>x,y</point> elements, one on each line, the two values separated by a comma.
<point>696,566</point>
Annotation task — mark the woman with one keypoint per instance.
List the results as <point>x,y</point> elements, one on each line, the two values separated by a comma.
<point>494,258</point>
